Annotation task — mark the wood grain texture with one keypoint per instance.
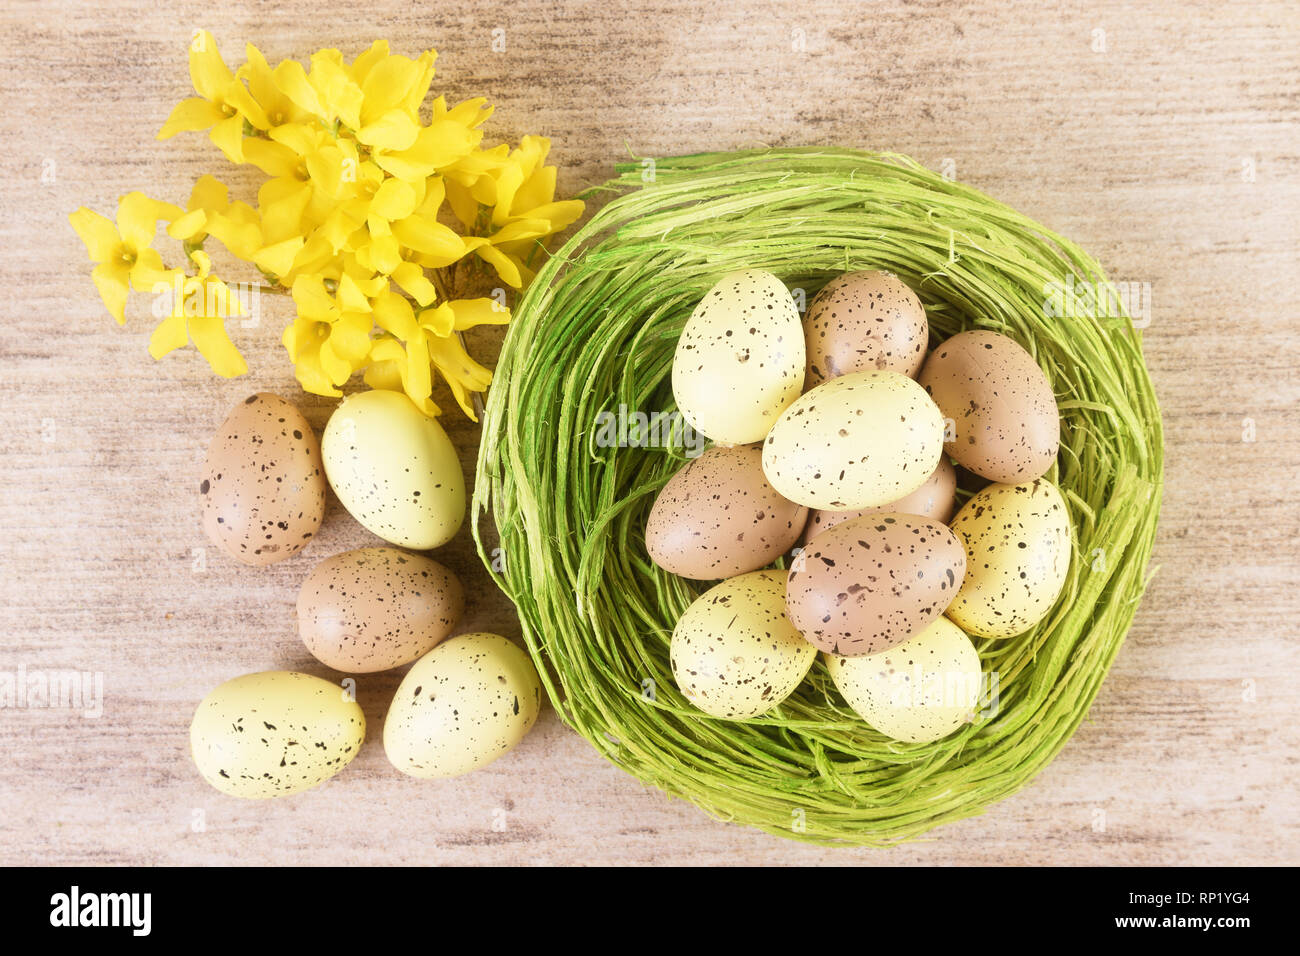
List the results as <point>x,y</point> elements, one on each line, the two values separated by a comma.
<point>1167,145</point>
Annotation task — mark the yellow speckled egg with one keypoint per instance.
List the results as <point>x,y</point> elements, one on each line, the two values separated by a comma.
<point>394,469</point>
<point>1018,544</point>
<point>461,706</point>
<point>735,653</point>
<point>740,358</point>
<point>858,441</point>
<point>275,733</point>
<point>919,691</point>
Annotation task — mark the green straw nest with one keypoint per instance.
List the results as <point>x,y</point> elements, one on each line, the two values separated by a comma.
<point>597,329</point>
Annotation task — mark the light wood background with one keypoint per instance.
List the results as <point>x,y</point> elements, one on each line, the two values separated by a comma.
<point>1163,137</point>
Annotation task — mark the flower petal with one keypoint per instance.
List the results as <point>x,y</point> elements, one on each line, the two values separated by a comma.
<point>271,157</point>
<point>189,225</point>
<point>228,136</point>
<point>365,62</point>
<point>336,368</point>
<point>292,80</point>
<point>350,338</point>
<point>431,238</point>
<point>558,214</point>
<point>209,193</point>
<point>325,166</point>
<point>137,219</point>
<point>505,267</point>
<point>208,71</point>
<point>277,259</point>
<point>111,279</point>
<point>439,144</point>
<point>393,313</point>
<point>415,283</point>
<point>311,299</point>
<point>190,115</point>
<point>464,376</point>
<point>394,200</point>
<point>98,233</point>
<point>382,253</point>
<point>209,336</point>
<point>462,202</point>
<point>473,312</point>
<point>243,239</point>
<point>441,321</point>
<point>170,335</point>
<point>386,86</point>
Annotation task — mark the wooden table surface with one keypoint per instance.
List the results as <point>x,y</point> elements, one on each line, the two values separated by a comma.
<point>1163,137</point>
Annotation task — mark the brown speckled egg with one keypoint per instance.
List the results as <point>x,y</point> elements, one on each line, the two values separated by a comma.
<point>263,483</point>
<point>1003,422</point>
<point>861,321</point>
<point>718,517</point>
<point>872,582</point>
<point>377,608</point>
<point>936,499</point>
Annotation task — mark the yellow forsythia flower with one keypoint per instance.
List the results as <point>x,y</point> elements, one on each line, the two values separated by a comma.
<point>351,220</point>
<point>123,251</point>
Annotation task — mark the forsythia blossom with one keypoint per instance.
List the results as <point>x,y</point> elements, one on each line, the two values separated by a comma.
<point>375,217</point>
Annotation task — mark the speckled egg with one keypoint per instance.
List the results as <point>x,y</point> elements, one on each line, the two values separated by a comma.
<point>394,469</point>
<point>740,358</point>
<point>872,582</point>
<point>461,706</point>
<point>718,517</point>
<point>377,608</point>
<point>918,692</point>
<point>1005,424</point>
<point>735,653</point>
<point>858,441</point>
<point>275,733</point>
<point>263,483</point>
<point>936,499</point>
<point>1018,542</point>
<point>862,321</point>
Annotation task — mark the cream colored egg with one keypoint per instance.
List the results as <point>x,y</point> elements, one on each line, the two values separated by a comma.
<point>740,359</point>
<point>858,441</point>
<point>394,469</point>
<point>461,706</point>
<point>734,652</point>
<point>1018,544</point>
<point>919,691</point>
<point>275,733</point>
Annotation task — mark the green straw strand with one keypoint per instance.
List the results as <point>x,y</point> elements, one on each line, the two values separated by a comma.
<point>598,327</point>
